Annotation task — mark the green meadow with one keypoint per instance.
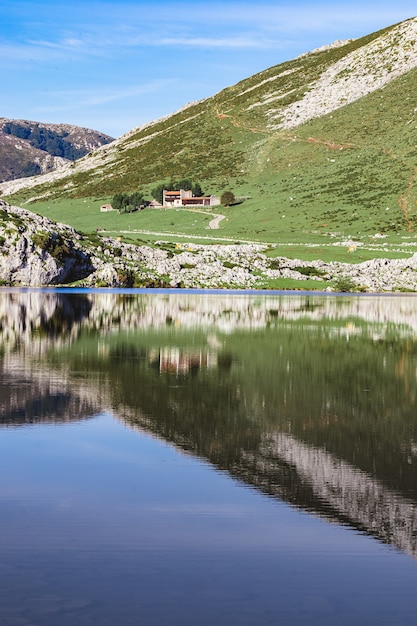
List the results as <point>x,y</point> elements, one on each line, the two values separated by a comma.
<point>241,224</point>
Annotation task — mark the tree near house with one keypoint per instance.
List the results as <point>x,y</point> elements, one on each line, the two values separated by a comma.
<point>197,190</point>
<point>227,198</point>
<point>117,202</point>
<point>136,199</point>
<point>158,193</point>
<point>123,202</point>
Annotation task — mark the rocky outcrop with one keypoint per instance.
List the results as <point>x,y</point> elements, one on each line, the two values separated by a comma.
<point>35,251</point>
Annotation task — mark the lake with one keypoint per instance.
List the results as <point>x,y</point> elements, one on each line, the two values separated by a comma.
<point>176,458</point>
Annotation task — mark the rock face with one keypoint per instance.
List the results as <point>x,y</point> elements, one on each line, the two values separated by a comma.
<point>30,148</point>
<point>354,76</point>
<point>35,251</point>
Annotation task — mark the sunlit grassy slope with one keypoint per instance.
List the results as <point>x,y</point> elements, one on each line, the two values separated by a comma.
<point>350,173</point>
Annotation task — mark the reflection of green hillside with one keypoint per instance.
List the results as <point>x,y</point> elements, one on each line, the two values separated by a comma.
<point>355,398</point>
<point>351,393</point>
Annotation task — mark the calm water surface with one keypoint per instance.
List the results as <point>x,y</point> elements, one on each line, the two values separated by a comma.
<point>182,459</point>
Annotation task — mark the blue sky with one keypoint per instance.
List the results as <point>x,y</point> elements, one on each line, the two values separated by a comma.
<point>116,64</point>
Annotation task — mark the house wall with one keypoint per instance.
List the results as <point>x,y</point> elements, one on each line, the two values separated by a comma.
<point>171,198</point>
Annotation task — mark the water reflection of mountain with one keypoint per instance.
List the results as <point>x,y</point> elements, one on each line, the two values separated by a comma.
<point>327,429</point>
<point>59,408</point>
<point>39,319</point>
<point>312,400</point>
<point>282,465</point>
<point>37,399</point>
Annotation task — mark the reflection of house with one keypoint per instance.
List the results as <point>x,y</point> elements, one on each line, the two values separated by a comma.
<point>186,198</point>
<point>176,361</point>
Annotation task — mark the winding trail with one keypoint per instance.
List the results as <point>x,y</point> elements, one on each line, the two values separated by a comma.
<point>214,223</point>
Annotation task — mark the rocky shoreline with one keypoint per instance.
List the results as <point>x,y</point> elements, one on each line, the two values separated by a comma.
<point>36,252</point>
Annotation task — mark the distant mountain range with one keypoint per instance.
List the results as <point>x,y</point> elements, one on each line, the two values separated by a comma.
<point>31,148</point>
<point>325,140</point>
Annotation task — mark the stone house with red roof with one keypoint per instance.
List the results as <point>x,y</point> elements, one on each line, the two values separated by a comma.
<point>185,198</point>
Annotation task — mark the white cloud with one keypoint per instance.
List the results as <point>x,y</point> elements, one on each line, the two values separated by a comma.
<point>212,42</point>
<point>266,16</point>
<point>94,29</point>
<point>71,100</point>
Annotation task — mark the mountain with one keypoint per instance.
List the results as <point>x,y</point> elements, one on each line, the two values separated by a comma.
<point>30,148</point>
<point>326,140</point>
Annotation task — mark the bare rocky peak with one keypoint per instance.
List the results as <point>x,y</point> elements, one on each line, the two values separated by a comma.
<point>76,132</point>
<point>357,74</point>
<point>336,44</point>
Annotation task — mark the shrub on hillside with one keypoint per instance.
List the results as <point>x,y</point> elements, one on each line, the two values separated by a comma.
<point>227,198</point>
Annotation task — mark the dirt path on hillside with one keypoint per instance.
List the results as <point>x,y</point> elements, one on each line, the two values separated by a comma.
<point>284,136</point>
<point>214,224</point>
<point>407,200</point>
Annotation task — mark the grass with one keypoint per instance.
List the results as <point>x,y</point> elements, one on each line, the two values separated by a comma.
<point>84,215</point>
<point>329,252</point>
<point>179,226</point>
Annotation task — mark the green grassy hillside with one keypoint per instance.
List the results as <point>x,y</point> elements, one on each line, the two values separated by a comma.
<point>348,173</point>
